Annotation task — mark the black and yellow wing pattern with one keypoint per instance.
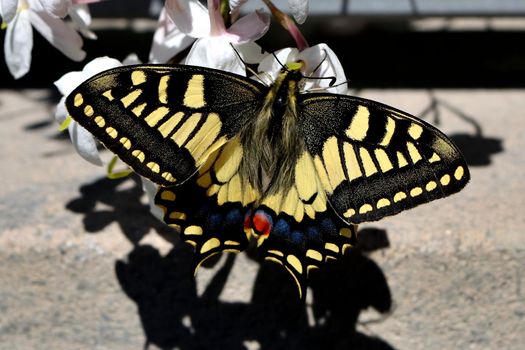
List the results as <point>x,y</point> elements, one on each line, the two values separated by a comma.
<point>182,127</point>
<point>164,121</point>
<point>375,161</point>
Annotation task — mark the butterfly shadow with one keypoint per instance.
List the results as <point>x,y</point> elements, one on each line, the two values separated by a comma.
<point>173,315</point>
<point>476,147</point>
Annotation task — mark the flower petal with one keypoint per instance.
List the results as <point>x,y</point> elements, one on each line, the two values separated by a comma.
<point>215,52</point>
<point>61,112</point>
<point>98,65</point>
<point>69,81</point>
<point>330,67</point>
<point>84,143</point>
<point>59,34</point>
<point>273,66</point>
<point>190,16</point>
<point>251,52</point>
<point>82,19</point>
<point>168,40</point>
<point>150,189</point>
<point>299,9</point>
<point>57,8</point>
<point>18,44</point>
<point>8,10</point>
<point>250,27</point>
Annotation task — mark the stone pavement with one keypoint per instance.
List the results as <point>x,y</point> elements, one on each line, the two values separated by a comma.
<point>84,266</point>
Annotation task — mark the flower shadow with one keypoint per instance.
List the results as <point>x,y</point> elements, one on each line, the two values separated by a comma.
<point>476,147</point>
<point>106,201</point>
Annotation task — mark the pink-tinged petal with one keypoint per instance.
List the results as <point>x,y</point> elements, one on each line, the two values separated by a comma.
<point>168,40</point>
<point>287,23</point>
<point>190,16</point>
<point>8,10</point>
<point>216,21</point>
<point>215,52</point>
<point>330,67</point>
<point>59,34</point>
<point>299,10</point>
<point>56,8</point>
<point>82,19</point>
<point>18,44</point>
<point>250,27</point>
<point>84,143</point>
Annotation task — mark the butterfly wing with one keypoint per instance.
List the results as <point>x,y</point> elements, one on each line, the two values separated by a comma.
<point>209,210</point>
<point>164,121</point>
<point>374,160</point>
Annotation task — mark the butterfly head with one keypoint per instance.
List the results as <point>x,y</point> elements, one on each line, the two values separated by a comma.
<point>293,69</point>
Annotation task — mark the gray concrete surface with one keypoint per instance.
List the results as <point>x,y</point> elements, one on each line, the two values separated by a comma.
<point>84,266</point>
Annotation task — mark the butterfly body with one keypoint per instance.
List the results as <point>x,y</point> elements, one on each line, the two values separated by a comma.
<point>237,159</point>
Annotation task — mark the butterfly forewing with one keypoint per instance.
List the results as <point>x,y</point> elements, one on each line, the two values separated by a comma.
<point>374,160</point>
<point>164,121</point>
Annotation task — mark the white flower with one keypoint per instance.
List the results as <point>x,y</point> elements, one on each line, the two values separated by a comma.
<point>212,49</point>
<point>83,140</point>
<point>319,58</point>
<point>44,17</point>
<point>8,10</point>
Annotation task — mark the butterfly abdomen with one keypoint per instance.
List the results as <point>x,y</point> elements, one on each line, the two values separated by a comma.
<point>272,141</point>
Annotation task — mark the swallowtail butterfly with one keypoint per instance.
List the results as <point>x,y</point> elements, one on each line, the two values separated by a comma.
<point>237,160</point>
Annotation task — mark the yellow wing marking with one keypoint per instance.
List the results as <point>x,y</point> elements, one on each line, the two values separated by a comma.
<point>139,109</point>
<point>229,160</point>
<point>413,153</point>
<point>205,136</point>
<point>383,160</point>
<point>138,77</point>
<point>368,163</point>
<point>182,134</point>
<point>156,116</point>
<point>352,164</point>
<point>389,132</point>
<point>332,162</point>
<point>167,127</point>
<point>130,98</point>
<point>415,131</point>
<point>359,124</point>
<point>194,96</point>
<point>163,87</point>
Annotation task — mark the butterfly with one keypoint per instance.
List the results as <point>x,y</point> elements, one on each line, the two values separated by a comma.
<point>237,161</point>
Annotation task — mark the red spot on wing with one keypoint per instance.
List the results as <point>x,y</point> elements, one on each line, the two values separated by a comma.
<point>262,223</point>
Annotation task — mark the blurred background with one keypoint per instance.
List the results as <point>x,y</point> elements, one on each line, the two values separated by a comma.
<point>83,265</point>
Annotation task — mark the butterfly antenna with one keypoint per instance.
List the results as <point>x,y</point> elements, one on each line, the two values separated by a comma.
<point>280,63</point>
<point>320,63</point>
<point>246,66</point>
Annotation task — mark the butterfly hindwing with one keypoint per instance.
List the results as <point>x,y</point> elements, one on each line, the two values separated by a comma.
<point>164,121</point>
<point>375,161</point>
<point>210,209</point>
